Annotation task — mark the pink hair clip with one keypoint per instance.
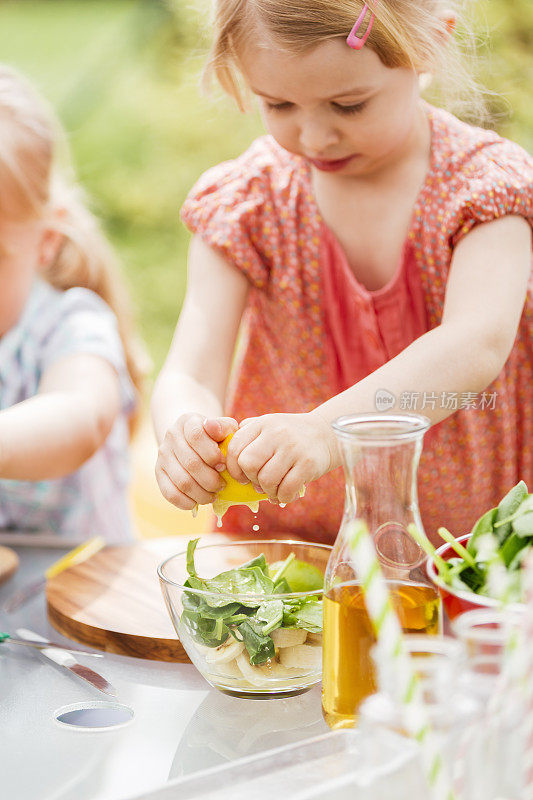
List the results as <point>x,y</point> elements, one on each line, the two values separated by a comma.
<point>357,42</point>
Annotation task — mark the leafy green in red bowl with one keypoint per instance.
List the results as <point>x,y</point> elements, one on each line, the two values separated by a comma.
<point>488,570</point>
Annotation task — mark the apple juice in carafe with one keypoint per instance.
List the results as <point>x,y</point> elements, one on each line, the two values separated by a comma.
<point>349,638</point>
<point>380,456</point>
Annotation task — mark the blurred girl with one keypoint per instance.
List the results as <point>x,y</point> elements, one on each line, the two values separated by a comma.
<point>68,371</point>
<point>374,247</point>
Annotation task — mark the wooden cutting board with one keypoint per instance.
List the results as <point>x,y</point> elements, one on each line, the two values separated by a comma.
<point>9,562</point>
<point>113,600</point>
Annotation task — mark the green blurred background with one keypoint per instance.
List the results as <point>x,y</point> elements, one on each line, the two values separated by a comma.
<point>123,76</point>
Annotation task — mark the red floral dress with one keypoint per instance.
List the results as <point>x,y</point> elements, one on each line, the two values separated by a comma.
<point>311,329</point>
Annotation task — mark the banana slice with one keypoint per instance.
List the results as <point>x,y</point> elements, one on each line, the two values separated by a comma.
<point>288,637</point>
<point>260,675</point>
<point>224,652</point>
<point>304,656</point>
<point>252,674</point>
<point>228,669</point>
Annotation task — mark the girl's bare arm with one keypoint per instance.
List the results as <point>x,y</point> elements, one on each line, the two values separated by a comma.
<point>195,374</point>
<point>192,384</point>
<point>53,433</point>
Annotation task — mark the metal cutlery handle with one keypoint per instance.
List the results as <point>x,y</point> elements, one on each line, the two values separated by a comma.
<point>42,644</point>
<point>63,658</point>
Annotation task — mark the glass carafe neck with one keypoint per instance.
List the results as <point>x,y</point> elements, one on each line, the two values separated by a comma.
<point>380,455</point>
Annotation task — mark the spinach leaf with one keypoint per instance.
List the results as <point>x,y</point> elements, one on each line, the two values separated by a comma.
<point>259,561</point>
<point>191,547</point>
<point>236,619</point>
<point>519,559</point>
<point>507,506</point>
<point>226,612</point>
<point>270,613</point>
<point>455,574</point>
<point>523,525</point>
<point>484,525</point>
<point>282,587</point>
<point>190,601</point>
<point>305,612</point>
<point>241,581</point>
<point>194,583</point>
<point>260,647</point>
<point>474,579</point>
<point>289,618</point>
<point>512,545</point>
<point>209,632</point>
<point>309,616</point>
<point>524,508</point>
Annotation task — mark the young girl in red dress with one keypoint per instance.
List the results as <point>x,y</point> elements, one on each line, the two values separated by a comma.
<point>369,242</point>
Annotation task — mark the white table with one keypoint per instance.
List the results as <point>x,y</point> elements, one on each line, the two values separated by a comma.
<point>181,725</point>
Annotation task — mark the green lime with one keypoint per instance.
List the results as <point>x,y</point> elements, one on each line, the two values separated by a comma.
<point>301,576</point>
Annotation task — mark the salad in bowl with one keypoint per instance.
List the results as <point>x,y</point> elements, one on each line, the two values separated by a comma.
<point>485,567</point>
<point>253,628</point>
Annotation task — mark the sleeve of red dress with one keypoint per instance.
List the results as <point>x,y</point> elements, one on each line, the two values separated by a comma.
<point>498,183</point>
<point>226,208</point>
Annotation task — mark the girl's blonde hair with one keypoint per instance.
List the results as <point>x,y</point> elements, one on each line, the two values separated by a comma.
<point>406,33</point>
<point>31,185</point>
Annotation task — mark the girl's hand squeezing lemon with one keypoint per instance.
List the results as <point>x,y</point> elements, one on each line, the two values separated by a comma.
<point>189,463</point>
<point>281,453</point>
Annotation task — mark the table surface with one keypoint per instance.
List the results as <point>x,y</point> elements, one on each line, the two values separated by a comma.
<point>180,726</point>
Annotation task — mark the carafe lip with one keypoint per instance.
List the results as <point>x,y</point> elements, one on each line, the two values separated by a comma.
<point>381,427</point>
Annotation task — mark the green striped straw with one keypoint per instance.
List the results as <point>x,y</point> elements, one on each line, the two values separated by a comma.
<point>527,677</point>
<point>499,586</point>
<point>391,647</point>
<point>515,676</point>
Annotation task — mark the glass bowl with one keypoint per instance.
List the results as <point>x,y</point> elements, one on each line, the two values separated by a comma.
<point>222,659</point>
<point>456,601</point>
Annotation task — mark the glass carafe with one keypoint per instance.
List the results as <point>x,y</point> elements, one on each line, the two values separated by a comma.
<point>380,455</point>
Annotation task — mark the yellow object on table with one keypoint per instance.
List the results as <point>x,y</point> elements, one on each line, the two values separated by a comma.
<point>76,556</point>
<point>80,553</point>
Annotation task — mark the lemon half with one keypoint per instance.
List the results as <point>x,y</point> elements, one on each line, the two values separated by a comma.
<point>234,493</point>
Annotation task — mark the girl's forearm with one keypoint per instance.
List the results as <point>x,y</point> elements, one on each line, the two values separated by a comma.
<point>424,378</point>
<point>176,393</point>
<point>49,436</point>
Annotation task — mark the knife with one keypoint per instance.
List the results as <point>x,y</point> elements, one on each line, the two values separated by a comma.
<point>68,661</point>
<point>65,659</point>
<point>40,644</point>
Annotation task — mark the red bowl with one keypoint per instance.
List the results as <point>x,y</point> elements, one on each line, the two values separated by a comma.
<point>455,601</point>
